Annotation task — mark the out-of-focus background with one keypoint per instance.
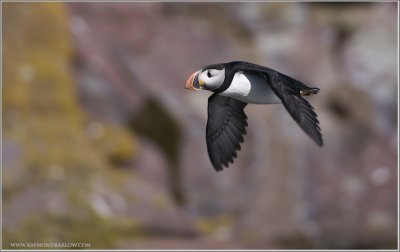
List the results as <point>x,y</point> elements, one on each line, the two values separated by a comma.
<point>103,145</point>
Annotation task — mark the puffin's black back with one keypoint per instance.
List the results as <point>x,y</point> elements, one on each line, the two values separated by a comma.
<point>232,67</point>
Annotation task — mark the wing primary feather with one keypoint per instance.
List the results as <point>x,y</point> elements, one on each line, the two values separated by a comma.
<point>226,126</point>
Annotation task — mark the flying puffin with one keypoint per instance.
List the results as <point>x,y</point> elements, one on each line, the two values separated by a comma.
<point>237,83</point>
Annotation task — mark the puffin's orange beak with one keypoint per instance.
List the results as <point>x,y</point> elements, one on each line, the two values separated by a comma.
<point>192,83</point>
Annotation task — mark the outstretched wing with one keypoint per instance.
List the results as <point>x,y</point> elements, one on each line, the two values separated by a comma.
<point>289,91</point>
<point>226,126</point>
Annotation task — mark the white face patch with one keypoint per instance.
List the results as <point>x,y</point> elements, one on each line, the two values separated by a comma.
<point>212,78</point>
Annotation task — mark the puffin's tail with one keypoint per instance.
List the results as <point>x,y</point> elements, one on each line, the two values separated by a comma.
<point>309,91</point>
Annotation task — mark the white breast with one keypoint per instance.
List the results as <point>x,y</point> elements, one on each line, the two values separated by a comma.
<point>251,88</point>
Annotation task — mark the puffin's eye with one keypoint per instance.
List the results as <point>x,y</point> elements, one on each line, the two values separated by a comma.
<point>209,74</point>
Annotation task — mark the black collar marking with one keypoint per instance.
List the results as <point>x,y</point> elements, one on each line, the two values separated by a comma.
<point>229,74</point>
<point>232,67</point>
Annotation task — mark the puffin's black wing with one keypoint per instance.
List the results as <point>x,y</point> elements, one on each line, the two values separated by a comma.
<point>289,92</point>
<point>226,126</point>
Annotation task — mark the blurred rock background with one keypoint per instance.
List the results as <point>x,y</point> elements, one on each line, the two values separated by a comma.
<point>102,144</point>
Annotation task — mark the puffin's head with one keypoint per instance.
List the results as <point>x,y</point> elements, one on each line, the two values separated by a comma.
<point>208,78</point>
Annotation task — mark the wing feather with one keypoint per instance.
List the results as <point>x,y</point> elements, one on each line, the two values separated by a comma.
<point>226,126</point>
<point>288,90</point>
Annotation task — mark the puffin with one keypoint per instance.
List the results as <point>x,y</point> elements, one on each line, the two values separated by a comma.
<point>238,83</point>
